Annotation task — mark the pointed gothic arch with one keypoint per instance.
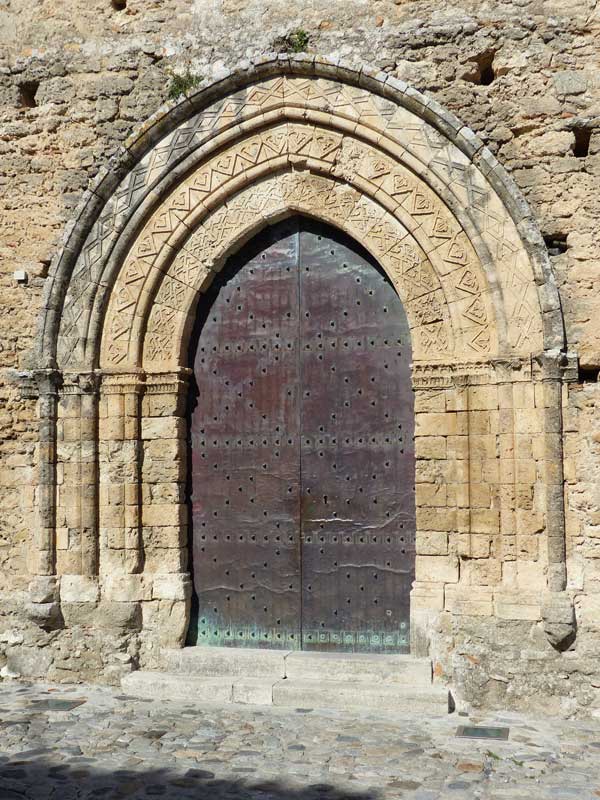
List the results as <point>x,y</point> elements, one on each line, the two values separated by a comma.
<point>416,188</point>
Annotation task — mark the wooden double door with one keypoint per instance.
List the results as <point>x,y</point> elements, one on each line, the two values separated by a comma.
<point>302,449</point>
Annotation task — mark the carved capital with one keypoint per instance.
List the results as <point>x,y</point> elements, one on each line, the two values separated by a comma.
<point>80,383</point>
<point>172,382</point>
<point>122,382</point>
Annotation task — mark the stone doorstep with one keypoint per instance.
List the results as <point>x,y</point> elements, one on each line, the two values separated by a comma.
<point>297,665</point>
<point>287,692</point>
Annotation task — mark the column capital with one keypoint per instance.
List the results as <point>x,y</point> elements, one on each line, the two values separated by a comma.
<point>122,382</point>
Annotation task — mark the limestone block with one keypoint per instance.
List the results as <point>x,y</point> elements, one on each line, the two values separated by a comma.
<point>111,516</point>
<point>480,422</point>
<point>528,420</point>
<point>112,429</point>
<point>47,615</point>
<point>68,562</point>
<point>457,398</point>
<point>163,428</point>
<point>163,405</point>
<point>30,662</point>
<point>480,545</point>
<point>480,495</point>
<point>118,615</point>
<point>458,495</point>
<point>432,543</point>
<point>165,536</point>
<point>172,618</point>
<point>569,81</point>
<point>481,571</point>
<point>558,615</point>
<point>430,447</point>
<point>79,614</point>
<point>128,588</point>
<point>517,604</point>
<point>472,601</point>
<point>528,547</point>
<point>171,586</point>
<point>44,589</point>
<point>457,447</point>
<point>163,471</point>
<point>552,143</point>
<point>165,559</point>
<point>483,398</point>
<point>432,401</point>
<point>425,595</point>
<point>164,449</point>
<point>164,514</point>
<point>433,494</point>
<point>530,575</point>
<point>112,494</point>
<point>437,568</point>
<point>490,471</point>
<point>441,424</point>
<point>62,538</point>
<point>507,471</point>
<point>112,538</point>
<point>461,544</point>
<point>434,519</point>
<point>485,520</point>
<point>523,395</point>
<point>588,611</point>
<point>164,492</point>
<point>79,589</point>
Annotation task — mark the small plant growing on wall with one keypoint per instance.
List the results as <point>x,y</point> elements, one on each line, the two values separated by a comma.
<point>182,84</point>
<point>296,41</point>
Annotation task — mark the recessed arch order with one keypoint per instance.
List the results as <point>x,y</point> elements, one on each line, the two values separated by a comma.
<point>387,163</point>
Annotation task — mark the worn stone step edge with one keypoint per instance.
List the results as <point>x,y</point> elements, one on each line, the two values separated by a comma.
<point>249,662</point>
<point>169,686</point>
<point>344,695</point>
<point>314,694</point>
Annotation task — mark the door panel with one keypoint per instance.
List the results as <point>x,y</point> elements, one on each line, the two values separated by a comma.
<point>356,418</point>
<point>303,462</point>
<point>245,432</point>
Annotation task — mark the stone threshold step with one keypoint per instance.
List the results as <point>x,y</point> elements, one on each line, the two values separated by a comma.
<point>287,692</point>
<point>298,664</point>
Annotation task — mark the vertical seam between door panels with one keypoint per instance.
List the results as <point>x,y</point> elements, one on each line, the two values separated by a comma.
<point>299,390</point>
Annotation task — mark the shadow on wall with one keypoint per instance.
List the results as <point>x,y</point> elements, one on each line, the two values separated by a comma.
<point>79,780</point>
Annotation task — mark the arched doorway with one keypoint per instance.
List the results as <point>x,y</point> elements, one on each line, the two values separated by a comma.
<point>302,449</point>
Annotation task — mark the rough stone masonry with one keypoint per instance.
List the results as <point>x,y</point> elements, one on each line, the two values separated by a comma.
<point>93,531</point>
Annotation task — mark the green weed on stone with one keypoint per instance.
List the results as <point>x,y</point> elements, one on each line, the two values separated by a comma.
<point>295,42</point>
<point>182,85</point>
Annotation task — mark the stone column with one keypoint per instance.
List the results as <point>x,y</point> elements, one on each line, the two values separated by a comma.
<point>507,477</point>
<point>77,535</point>
<point>551,401</point>
<point>120,489</point>
<point>44,555</point>
<point>43,588</point>
<point>558,613</point>
<point>165,510</point>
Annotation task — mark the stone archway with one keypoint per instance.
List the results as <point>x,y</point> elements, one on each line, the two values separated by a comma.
<point>403,177</point>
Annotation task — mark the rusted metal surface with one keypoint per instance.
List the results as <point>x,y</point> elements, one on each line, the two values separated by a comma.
<point>303,462</point>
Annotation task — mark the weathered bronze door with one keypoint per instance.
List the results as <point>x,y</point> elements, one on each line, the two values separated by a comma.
<point>302,449</point>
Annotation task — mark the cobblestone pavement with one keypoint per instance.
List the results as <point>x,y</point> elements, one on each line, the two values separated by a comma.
<point>89,742</point>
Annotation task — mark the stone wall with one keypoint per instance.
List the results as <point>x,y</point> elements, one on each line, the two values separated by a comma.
<point>522,75</point>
